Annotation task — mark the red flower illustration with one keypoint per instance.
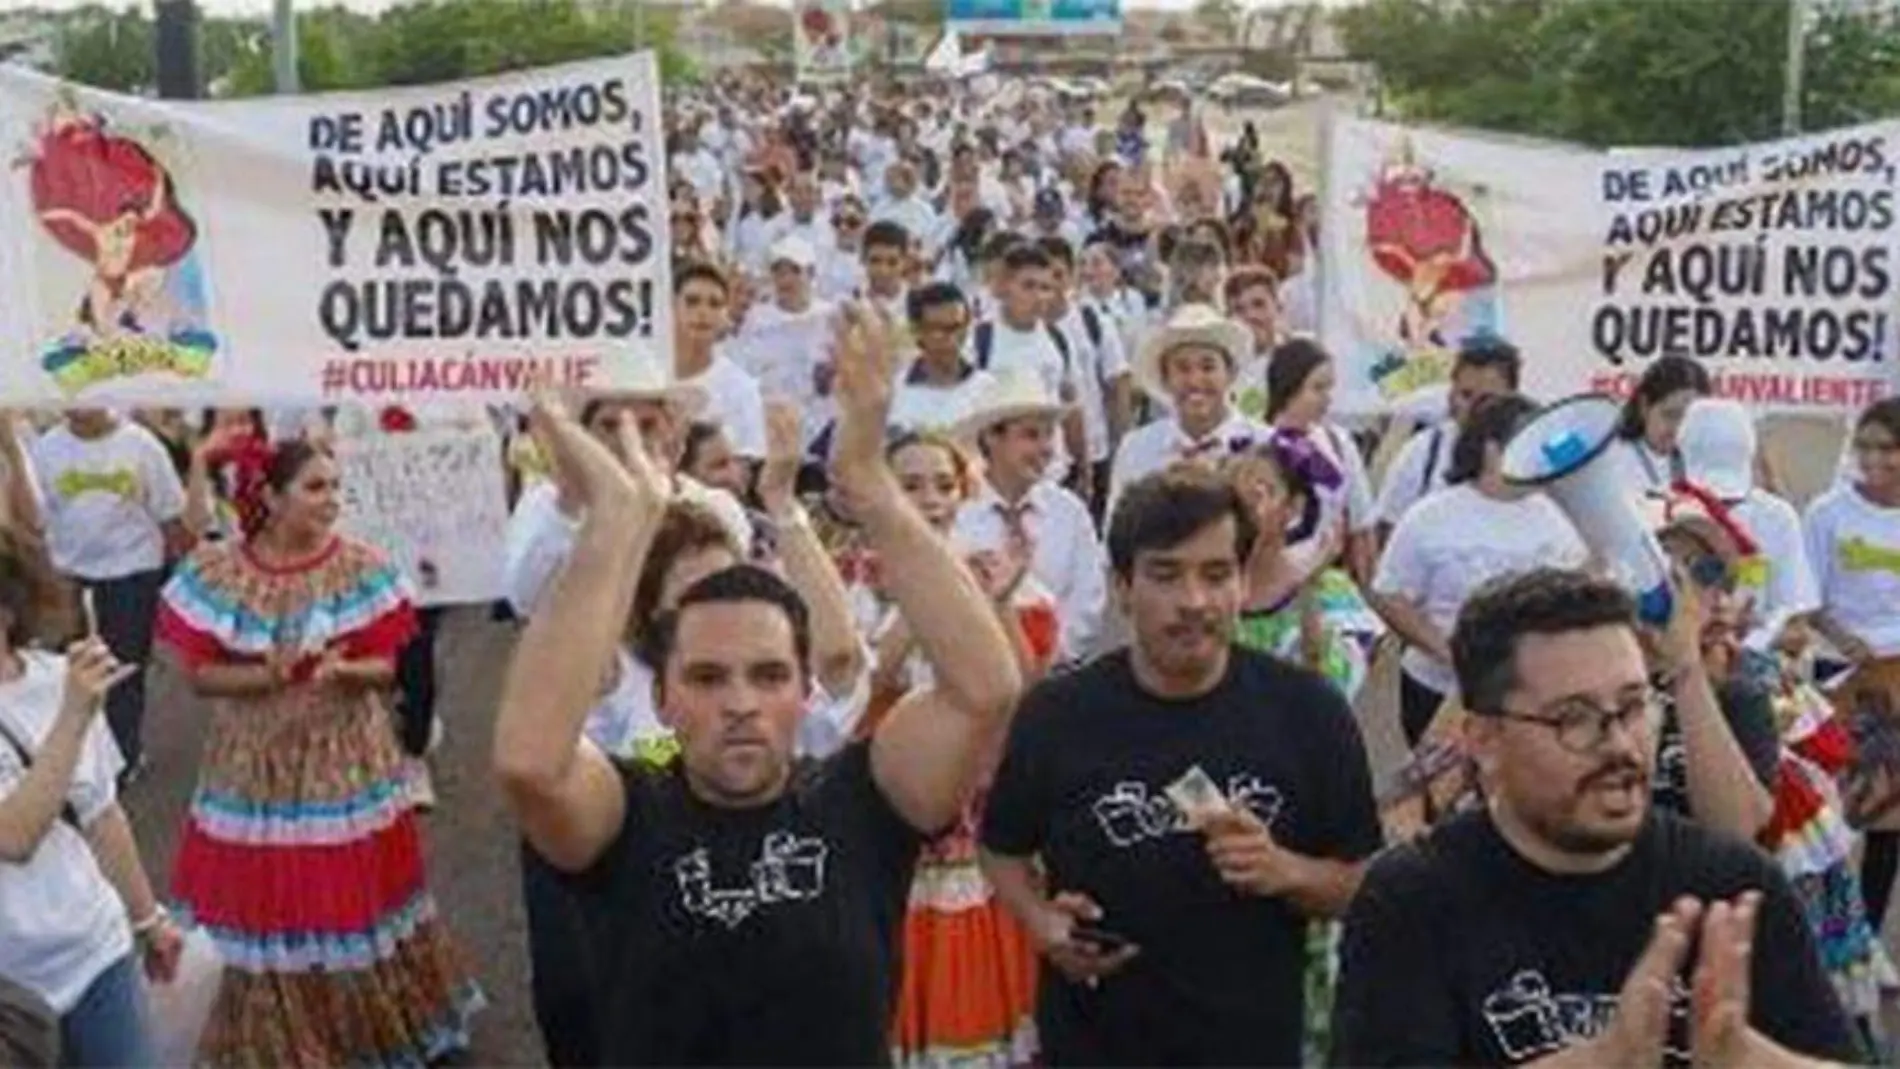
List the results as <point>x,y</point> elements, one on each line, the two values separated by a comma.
<point>1410,222</point>
<point>101,178</point>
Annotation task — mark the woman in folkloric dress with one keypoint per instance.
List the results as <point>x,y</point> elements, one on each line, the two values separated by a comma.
<point>300,855</point>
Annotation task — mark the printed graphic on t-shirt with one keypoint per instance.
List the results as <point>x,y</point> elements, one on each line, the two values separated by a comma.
<point>1132,813</point>
<point>1859,555</point>
<point>1529,1021</point>
<point>119,482</point>
<point>789,869</point>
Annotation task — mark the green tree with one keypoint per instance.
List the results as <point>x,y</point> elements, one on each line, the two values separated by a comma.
<point>109,49</point>
<point>1613,72</point>
<point>415,42</point>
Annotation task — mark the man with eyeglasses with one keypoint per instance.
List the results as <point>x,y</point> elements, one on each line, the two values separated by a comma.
<point>1571,921</point>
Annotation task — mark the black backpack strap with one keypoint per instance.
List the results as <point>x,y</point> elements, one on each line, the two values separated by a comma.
<point>985,341</point>
<point>1092,322</point>
<point>1431,461</point>
<point>1062,346</point>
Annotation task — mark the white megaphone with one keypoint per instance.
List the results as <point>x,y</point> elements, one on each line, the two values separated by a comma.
<point>1563,451</point>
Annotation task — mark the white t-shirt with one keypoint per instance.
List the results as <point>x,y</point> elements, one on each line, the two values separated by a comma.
<point>1455,541</point>
<point>106,499</point>
<point>919,406</point>
<point>1641,468</point>
<point>61,923</point>
<point>734,402</point>
<point>1093,366</point>
<point>1030,351</point>
<point>1782,583</point>
<point>1419,469</point>
<point>1854,546</point>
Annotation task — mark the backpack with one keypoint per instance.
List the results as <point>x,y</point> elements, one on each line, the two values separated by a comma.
<point>1431,461</point>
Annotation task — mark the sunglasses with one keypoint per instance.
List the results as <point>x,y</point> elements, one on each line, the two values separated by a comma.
<point>1711,572</point>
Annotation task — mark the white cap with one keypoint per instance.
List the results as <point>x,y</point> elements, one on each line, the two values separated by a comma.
<point>1717,442</point>
<point>793,250</point>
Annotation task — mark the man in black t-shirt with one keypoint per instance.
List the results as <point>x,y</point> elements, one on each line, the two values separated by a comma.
<point>1192,805</point>
<point>1555,927</point>
<point>746,909</point>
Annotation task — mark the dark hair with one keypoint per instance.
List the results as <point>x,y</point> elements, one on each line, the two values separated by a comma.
<point>1057,250</point>
<point>1294,478</point>
<point>886,234</point>
<point>1288,368</point>
<point>698,433</point>
<point>699,271</point>
<point>686,527</point>
<point>1543,601</point>
<point>285,462</point>
<point>934,295</point>
<point>1884,413</point>
<point>728,586</point>
<point>1492,419</point>
<point>1163,510</point>
<point>38,604</point>
<point>1493,354</point>
<point>1024,256</point>
<point>1247,277</point>
<point>208,419</point>
<point>1669,375</point>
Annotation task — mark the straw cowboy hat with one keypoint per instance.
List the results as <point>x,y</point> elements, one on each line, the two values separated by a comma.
<point>1192,324</point>
<point>650,381</point>
<point>1016,393</point>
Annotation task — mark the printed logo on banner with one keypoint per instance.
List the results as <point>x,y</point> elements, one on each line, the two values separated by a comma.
<point>1423,237</point>
<point>460,242</point>
<point>108,204</point>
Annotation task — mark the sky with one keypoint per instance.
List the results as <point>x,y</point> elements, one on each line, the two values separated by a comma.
<point>262,7</point>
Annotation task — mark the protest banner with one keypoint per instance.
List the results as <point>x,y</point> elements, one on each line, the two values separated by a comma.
<point>449,242</point>
<point>437,502</point>
<point>1033,18</point>
<point>822,41</point>
<point>1772,264</point>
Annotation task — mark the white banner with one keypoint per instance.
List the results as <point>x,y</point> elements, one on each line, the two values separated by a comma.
<point>1773,264</point>
<point>450,242</point>
<point>822,40</point>
<point>436,502</point>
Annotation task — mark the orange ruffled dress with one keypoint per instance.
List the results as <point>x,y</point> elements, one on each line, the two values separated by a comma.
<point>300,856</point>
<point>969,989</point>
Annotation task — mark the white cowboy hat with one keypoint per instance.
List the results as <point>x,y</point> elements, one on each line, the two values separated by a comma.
<point>1017,393</point>
<point>650,381</point>
<point>1191,324</point>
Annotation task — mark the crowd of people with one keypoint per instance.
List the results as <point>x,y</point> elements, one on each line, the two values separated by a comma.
<point>951,658</point>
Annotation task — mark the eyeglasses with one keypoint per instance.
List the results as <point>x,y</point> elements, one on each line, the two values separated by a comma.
<point>1582,727</point>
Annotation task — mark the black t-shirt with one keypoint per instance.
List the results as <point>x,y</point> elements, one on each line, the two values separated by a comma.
<point>1750,715</point>
<point>764,936</point>
<point>1218,979</point>
<point>1457,951</point>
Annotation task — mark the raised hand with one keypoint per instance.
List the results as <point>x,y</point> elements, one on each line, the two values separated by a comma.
<point>596,476</point>
<point>784,450</point>
<point>1640,1031</point>
<point>91,672</point>
<point>1722,1036</point>
<point>865,356</point>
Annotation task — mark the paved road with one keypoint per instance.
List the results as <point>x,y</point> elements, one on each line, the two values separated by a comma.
<point>471,841</point>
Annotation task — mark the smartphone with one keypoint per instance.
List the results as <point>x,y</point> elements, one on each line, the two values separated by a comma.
<point>1101,940</point>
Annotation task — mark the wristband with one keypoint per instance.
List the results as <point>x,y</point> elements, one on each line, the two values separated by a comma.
<point>152,922</point>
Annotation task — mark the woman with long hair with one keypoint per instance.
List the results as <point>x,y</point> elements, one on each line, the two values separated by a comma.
<point>1300,377</point>
<point>300,855</point>
<point>1646,435</point>
<point>78,917</point>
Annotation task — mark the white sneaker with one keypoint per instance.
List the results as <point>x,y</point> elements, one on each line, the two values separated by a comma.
<point>420,784</point>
